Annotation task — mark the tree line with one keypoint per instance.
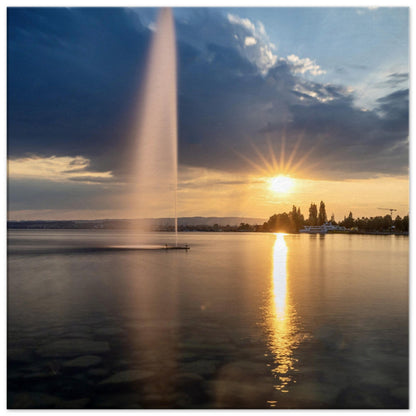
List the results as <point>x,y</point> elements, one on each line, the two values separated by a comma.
<point>293,221</point>
<point>378,223</point>
<point>287,222</point>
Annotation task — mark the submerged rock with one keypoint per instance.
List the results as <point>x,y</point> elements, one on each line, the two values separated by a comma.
<point>39,375</point>
<point>32,400</point>
<point>188,356</point>
<point>314,394</point>
<point>14,375</point>
<point>240,394</point>
<point>249,368</point>
<point>191,388</point>
<point>98,372</point>
<point>83,362</point>
<point>117,401</point>
<point>128,376</point>
<point>19,355</point>
<point>74,404</point>
<point>109,331</point>
<point>204,348</point>
<point>72,347</point>
<point>203,368</point>
<point>186,379</point>
<point>401,393</point>
<point>364,396</point>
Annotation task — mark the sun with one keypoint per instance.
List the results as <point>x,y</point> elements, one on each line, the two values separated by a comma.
<point>281,184</point>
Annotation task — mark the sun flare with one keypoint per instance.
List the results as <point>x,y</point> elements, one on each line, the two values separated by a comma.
<point>281,184</point>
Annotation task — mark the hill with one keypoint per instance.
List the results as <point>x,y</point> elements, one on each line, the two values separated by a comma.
<point>158,223</point>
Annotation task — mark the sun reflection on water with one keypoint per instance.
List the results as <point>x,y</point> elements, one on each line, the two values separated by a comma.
<point>281,320</point>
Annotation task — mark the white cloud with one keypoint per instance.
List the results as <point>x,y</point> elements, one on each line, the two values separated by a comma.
<point>363,10</point>
<point>56,168</point>
<point>254,43</point>
<point>242,22</point>
<point>261,29</point>
<point>379,83</point>
<point>303,65</point>
<point>249,40</point>
<point>302,89</point>
<point>319,92</point>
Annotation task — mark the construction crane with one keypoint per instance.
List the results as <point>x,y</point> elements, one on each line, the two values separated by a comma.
<point>389,209</point>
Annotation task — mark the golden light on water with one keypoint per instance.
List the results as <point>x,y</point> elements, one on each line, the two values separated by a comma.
<point>281,322</point>
<point>279,276</point>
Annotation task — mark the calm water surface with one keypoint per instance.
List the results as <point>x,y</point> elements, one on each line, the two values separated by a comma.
<point>238,321</point>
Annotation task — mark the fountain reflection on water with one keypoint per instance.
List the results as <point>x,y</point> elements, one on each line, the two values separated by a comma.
<point>281,320</point>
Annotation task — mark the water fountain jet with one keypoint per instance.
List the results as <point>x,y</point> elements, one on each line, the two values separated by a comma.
<point>155,173</point>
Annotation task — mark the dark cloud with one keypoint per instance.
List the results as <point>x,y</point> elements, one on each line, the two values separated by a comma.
<point>44,194</point>
<point>396,79</point>
<point>215,182</point>
<point>74,76</point>
<point>360,67</point>
<point>90,179</point>
<point>72,79</point>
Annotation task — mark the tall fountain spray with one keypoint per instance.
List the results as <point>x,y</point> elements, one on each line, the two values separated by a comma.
<point>157,160</point>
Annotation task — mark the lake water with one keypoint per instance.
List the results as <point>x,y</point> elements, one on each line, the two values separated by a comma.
<point>241,320</point>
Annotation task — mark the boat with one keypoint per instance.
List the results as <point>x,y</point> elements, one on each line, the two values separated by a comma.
<point>321,229</point>
<point>148,247</point>
<point>177,247</point>
<point>313,229</point>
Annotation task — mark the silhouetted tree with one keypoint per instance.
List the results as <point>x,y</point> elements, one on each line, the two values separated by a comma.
<point>279,223</point>
<point>349,221</point>
<point>244,227</point>
<point>313,215</point>
<point>387,222</point>
<point>296,219</point>
<point>291,222</point>
<point>361,223</point>
<point>398,223</point>
<point>322,218</point>
<point>405,223</point>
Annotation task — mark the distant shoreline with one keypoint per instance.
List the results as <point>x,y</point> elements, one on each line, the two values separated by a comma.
<point>121,225</point>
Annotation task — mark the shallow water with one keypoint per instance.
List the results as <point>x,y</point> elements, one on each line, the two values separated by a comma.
<point>241,320</point>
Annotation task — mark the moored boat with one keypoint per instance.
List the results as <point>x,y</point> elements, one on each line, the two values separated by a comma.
<point>321,229</point>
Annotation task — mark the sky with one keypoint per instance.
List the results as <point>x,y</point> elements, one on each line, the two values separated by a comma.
<point>320,95</point>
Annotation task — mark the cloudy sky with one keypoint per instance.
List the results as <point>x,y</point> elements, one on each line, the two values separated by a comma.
<point>317,94</point>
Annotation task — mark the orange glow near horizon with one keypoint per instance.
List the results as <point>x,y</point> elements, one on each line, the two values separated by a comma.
<point>211,193</point>
<point>275,162</point>
<point>278,167</point>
